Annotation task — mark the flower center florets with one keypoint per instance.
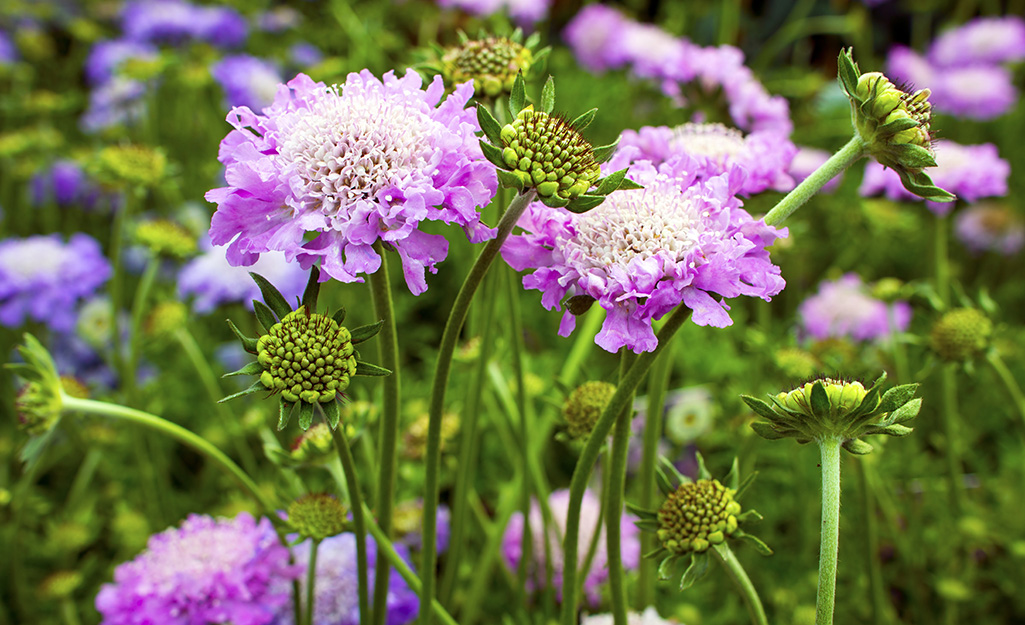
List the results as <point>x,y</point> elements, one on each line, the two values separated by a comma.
<point>696,516</point>
<point>550,154</point>
<point>32,257</point>
<point>348,147</point>
<point>307,357</point>
<point>713,141</point>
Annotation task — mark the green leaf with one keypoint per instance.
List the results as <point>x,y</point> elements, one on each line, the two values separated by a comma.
<point>629,185</point>
<point>253,368</point>
<point>766,431</point>
<point>892,430</point>
<point>493,154</point>
<point>264,315</point>
<point>665,568</point>
<point>365,368</point>
<point>906,412</point>
<point>760,407</point>
<point>553,201</point>
<point>518,96</point>
<point>663,482</point>
<point>610,183</point>
<point>488,124</point>
<point>532,40</point>
<point>332,414</point>
<point>744,484</point>
<point>703,472</point>
<point>642,513</point>
<point>921,185</point>
<point>897,125</point>
<point>363,333</point>
<point>697,569</point>
<point>271,296</point>
<point>339,316</point>
<point>540,58</point>
<point>857,446</point>
<point>914,156</point>
<point>509,180</point>
<point>733,477</point>
<point>33,450</point>
<point>749,516</point>
<point>648,525</point>
<point>897,397</point>
<point>819,400</point>
<point>256,387</point>
<point>584,120</point>
<point>584,203</point>
<point>285,410</point>
<point>847,71</point>
<point>312,290</point>
<point>248,344</point>
<point>673,471</point>
<point>305,415</point>
<point>755,542</point>
<point>548,96</point>
<point>605,152</point>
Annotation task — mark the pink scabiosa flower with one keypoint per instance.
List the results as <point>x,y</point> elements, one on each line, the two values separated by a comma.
<point>806,161</point>
<point>594,35</point>
<point>648,617</point>
<point>990,227</point>
<point>590,521</point>
<point>524,12</point>
<point>845,309</point>
<point>247,80</point>
<point>971,172</point>
<point>764,156</point>
<point>351,165</point>
<point>986,40</point>
<point>207,571</point>
<point>643,252</point>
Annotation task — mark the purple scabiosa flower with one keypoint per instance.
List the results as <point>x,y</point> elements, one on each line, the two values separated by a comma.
<point>590,521</point>
<point>8,53</point>
<point>304,54</point>
<point>336,598</point>
<point>213,281</point>
<point>594,35</point>
<point>353,164</point>
<point>986,40</point>
<point>654,53</point>
<point>523,12</point>
<point>806,161</point>
<point>764,156</point>
<point>648,617</point>
<point>844,309</point>
<point>247,80</point>
<point>971,172</point>
<point>176,21</point>
<point>207,571</point>
<point>65,184</point>
<point>990,228</point>
<point>42,278</point>
<point>107,56</point>
<point>117,101</point>
<point>278,19</point>
<point>641,253</point>
<point>409,523</point>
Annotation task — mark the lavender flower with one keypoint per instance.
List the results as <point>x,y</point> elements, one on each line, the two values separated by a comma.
<point>247,80</point>
<point>213,281</point>
<point>42,278</point>
<point>971,172</point>
<point>336,599</point>
<point>304,54</point>
<point>107,56</point>
<point>594,35</point>
<point>117,101</point>
<point>844,309</point>
<point>354,164</point>
<point>806,161</point>
<point>176,21</point>
<point>641,253</point>
<point>408,524</point>
<point>8,53</point>
<point>990,228</point>
<point>648,617</point>
<point>590,507</point>
<point>524,12</point>
<point>764,156</point>
<point>208,571</point>
<point>65,184</point>
<point>985,40</point>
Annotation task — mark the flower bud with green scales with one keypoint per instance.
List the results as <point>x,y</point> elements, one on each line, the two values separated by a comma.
<point>826,409</point>
<point>491,62</point>
<point>164,237</point>
<point>39,402</point>
<point>317,516</point>
<point>894,126</point>
<point>305,357</point>
<point>694,517</point>
<point>961,334</point>
<point>542,151</point>
<point>584,405</point>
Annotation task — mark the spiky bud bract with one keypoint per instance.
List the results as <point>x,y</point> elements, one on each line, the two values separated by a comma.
<point>305,357</point>
<point>38,403</point>
<point>832,409</point>
<point>893,124</point>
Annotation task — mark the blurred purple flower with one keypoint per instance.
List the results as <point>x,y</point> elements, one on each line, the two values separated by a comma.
<point>65,184</point>
<point>304,54</point>
<point>525,13</point>
<point>353,164</point>
<point>278,19</point>
<point>990,228</point>
<point>8,53</point>
<point>984,40</point>
<point>845,309</point>
<point>176,21</point>
<point>247,80</point>
<point>207,571</point>
<point>595,36</point>
<point>590,512</point>
<point>106,57</point>
<point>409,523</point>
<point>42,278</point>
<point>806,161</point>
<point>119,101</point>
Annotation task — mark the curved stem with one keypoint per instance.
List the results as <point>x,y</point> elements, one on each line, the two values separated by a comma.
<point>589,456</point>
<point>449,338</point>
<point>358,522</point>
<point>134,333</point>
<point>1000,368</point>
<point>838,162</point>
<point>742,582</point>
<point>311,578</point>
<point>830,541</point>
<point>380,291</point>
<point>880,614</point>
<point>614,502</point>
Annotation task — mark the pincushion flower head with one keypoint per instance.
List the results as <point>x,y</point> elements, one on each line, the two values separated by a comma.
<point>845,308</point>
<point>325,173</point>
<point>492,63</point>
<point>206,571</point>
<point>305,357</point>
<point>991,227</point>
<point>643,252</point>
<point>893,125</point>
<point>696,516</point>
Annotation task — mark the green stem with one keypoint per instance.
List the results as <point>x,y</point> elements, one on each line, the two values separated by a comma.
<point>68,612</point>
<point>880,614</point>
<point>592,548</point>
<point>587,327</point>
<point>449,337</point>
<point>838,162</point>
<point>516,349</point>
<point>358,522</point>
<point>658,380</point>
<point>1000,368</point>
<point>948,411</point>
<point>830,541</point>
<point>311,578</point>
<point>614,502</point>
<point>589,455</point>
<point>900,354</point>
<point>135,329</point>
<point>942,259</point>
<point>742,582</point>
<point>380,291</point>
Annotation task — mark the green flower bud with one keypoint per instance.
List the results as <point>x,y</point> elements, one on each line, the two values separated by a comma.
<point>317,516</point>
<point>585,405</point>
<point>136,166</point>
<point>796,363</point>
<point>60,584</point>
<point>536,139</point>
<point>307,357</point>
<point>163,237</point>
<point>696,516</point>
<point>314,446</point>
<point>960,334</point>
<point>165,319</point>
<point>492,64</point>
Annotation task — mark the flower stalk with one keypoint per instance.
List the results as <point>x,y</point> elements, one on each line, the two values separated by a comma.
<point>742,582</point>
<point>614,498</point>
<point>829,546</point>
<point>358,522</point>
<point>844,157</point>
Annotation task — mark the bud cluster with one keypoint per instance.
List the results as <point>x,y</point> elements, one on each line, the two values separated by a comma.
<point>164,237</point>
<point>317,516</point>
<point>960,334</point>
<point>492,64</point>
<point>584,406</point>
<point>544,151</point>
<point>696,516</point>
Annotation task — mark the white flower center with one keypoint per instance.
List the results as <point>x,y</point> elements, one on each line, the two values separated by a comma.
<point>33,258</point>
<point>713,141</point>
<point>347,148</point>
<point>198,555</point>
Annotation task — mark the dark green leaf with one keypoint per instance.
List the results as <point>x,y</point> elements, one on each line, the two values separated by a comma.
<point>363,333</point>
<point>331,413</point>
<point>312,290</point>
<point>248,344</point>
<point>760,408</point>
<point>749,516</point>
<point>648,525</point>
<point>665,568</point>
<point>365,368</point>
<point>897,125</point>
<point>253,368</point>
<point>765,430</point>
<point>697,569</point>
<point>518,96</point>
<point>256,387</point>
<point>509,180</point>
<point>605,152</point>
<point>906,412</point>
<point>305,415</point>
<point>642,513</point>
<point>610,183</point>
<point>703,472</point>
<point>733,477</point>
<point>492,129</point>
<point>847,71</point>
<point>629,185</point>
<point>548,96</point>
<point>663,482</point>
<point>553,201</point>
<point>271,296</point>
<point>897,397</point>
<point>584,203</point>
<point>285,410</point>
<point>819,400</point>
<point>493,154</point>
<point>264,315</point>
<point>914,156</point>
<point>339,316</point>
<point>584,120</point>
<point>755,542</point>
<point>857,446</point>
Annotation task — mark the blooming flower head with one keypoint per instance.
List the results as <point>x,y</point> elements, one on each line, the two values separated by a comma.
<point>648,617</point>
<point>594,34</point>
<point>764,156</point>
<point>176,21</point>
<point>353,165</point>
<point>336,596</point>
<point>247,80</point>
<point>985,40</point>
<point>643,252</point>
<point>971,172</point>
<point>844,309</point>
<point>590,512</point>
<point>65,184</point>
<point>991,228</point>
<point>107,56</point>
<point>8,53</point>
<point>42,278</point>
<point>207,571</point>
<point>523,12</point>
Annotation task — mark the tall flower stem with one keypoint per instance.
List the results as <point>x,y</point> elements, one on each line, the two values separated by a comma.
<point>840,161</point>
<point>1000,368</point>
<point>380,292</point>
<point>941,259</point>
<point>358,522</point>
<point>880,613</point>
<point>449,337</point>
<point>948,413</point>
<point>742,582</point>
<point>578,484</point>
<point>516,345</point>
<point>149,275</point>
<point>829,546</point>
<point>311,578</point>
<point>614,501</point>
